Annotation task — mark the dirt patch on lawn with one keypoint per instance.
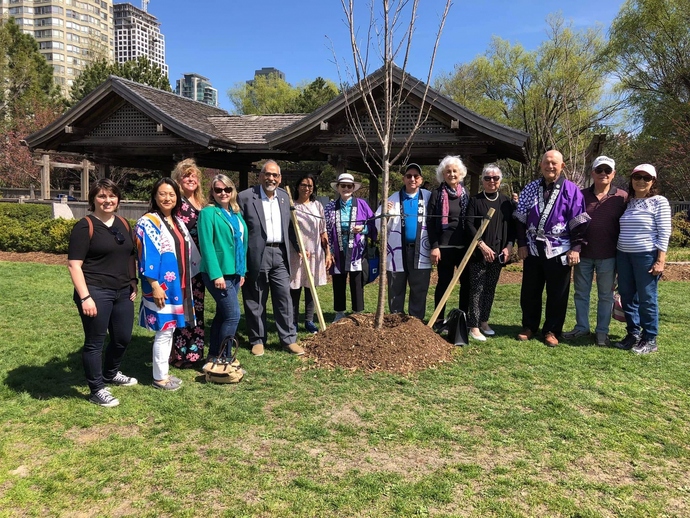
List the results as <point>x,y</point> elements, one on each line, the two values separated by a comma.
<point>403,345</point>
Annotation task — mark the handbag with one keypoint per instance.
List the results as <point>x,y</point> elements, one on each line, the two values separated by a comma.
<point>617,312</point>
<point>456,323</point>
<point>370,264</point>
<point>224,369</point>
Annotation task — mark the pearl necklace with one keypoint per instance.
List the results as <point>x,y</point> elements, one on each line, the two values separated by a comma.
<point>490,199</point>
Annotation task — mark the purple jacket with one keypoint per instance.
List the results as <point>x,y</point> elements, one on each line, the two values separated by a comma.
<point>350,259</point>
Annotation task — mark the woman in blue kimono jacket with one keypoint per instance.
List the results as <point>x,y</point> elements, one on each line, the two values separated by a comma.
<point>165,262</point>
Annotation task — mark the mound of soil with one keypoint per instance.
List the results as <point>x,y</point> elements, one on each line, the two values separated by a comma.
<point>403,345</point>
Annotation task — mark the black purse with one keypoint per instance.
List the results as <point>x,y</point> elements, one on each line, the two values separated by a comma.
<point>456,323</point>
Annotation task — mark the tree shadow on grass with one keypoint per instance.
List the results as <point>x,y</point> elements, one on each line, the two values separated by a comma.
<point>63,376</point>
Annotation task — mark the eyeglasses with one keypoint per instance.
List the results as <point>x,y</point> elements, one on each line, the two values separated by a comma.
<point>644,178</point>
<point>413,176</point>
<point>271,175</point>
<point>492,178</point>
<point>603,170</point>
<point>226,190</point>
<point>346,185</point>
<point>306,186</point>
<point>118,235</point>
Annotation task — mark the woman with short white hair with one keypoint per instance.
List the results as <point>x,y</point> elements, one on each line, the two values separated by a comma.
<point>446,224</point>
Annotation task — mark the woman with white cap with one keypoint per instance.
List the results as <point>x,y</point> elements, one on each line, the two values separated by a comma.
<point>349,221</point>
<point>642,243</point>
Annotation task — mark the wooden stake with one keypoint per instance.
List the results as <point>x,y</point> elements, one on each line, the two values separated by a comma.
<point>305,261</point>
<point>463,263</point>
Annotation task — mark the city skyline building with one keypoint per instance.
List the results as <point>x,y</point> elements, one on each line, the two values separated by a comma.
<point>266,71</point>
<point>71,34</point>
<point>137,33</point>
<point>197,87</point>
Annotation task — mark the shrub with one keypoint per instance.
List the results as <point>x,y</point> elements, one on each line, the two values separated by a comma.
<point>24,212</point>
<point>680,232</point>
<point>47,235</point>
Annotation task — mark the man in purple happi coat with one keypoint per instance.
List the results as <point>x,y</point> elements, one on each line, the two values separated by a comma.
<point>551,222</point>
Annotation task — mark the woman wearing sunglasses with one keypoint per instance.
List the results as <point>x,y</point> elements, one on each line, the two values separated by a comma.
<point>165,253</point>
<point>188,342</point>
<point>645,230</point>
<point>223,241</point>
<point>493,249</point>
<point>101,264</point>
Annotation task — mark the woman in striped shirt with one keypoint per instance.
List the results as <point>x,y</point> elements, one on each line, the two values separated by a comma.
<point>645,232</point>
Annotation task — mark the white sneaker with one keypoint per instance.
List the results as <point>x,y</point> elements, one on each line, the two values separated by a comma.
<point>480,337</point>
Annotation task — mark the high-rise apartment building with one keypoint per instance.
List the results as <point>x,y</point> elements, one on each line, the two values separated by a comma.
<point>197,87</point>
<point>265,72</point>
<point>137,33</point>
<point>70,33</point>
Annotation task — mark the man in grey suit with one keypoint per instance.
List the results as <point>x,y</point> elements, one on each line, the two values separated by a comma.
<point>266,210</point>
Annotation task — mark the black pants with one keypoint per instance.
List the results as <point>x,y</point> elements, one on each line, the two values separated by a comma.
<point>308,304</point>
<point>450,258</point>
<point>536,273</point>
<point>356,291</point>
<point>115,315</point>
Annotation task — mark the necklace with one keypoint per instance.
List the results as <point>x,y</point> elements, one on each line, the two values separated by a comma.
<point>490,199</point>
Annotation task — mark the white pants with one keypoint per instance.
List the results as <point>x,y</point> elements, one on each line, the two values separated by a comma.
<point>162,345</point>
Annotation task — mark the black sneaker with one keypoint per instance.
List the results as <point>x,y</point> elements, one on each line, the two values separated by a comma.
<point>645,346</point>
<point>122,380</point>
<point>628,342</point>
<point>104,398</point>
<point>310,327</point>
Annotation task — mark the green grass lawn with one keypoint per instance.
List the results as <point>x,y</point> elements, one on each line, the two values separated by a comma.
<point>507,429</point>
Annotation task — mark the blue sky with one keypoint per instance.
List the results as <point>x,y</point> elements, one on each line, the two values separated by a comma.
<point>227,40</point>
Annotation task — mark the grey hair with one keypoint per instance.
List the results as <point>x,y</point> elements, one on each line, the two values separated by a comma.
<point>492,167</point>
<point>450,160</point>
<point>269,161</point>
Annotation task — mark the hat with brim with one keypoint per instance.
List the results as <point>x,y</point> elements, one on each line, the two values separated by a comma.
<point>346,178</point>
<point>604,160</point>
<point>645,168</point>
<point>415,167</point>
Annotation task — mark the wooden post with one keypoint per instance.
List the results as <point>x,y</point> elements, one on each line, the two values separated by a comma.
<point>45,177</point>
<point>305,261</point>
<point>85,179</point>
<point>459,269</point>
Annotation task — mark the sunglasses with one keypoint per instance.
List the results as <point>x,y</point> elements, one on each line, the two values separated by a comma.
<point>603,170</point>
<point>347,185</point>
<point>492,178</point>
<point>411,176</point>
<point>118,235</point>
<point>226,190</point>
<point>644,178</point>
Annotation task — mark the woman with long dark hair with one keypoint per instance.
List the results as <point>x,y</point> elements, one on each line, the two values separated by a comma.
<point>164,246</point>
<point>101,264</point>
<point>312,225</point>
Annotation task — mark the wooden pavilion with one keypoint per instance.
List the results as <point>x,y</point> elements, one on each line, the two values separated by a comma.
<point>123,123</point>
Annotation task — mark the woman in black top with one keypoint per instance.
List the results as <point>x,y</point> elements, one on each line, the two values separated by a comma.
<point>446,224</point>
<point>493,249</point>
<point>101,264</point>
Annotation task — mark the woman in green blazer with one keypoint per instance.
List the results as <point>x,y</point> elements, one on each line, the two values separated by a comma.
<point>223,246</point>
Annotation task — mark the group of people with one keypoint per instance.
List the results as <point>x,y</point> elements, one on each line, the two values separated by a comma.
<point>184,246</point>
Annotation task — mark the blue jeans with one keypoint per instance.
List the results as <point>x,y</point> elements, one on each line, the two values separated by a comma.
<point>639,292</point>
<point>583,277</point>
<point>227,315</point>
<point>115,316</point>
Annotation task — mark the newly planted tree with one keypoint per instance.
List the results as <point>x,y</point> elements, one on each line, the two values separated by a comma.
<point>379,99</point>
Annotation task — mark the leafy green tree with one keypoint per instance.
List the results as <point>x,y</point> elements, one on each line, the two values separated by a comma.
<point>29,100</point>
<point>315,94</point>
<point>265,94</point>
<point>651,42</point>
<point>25,75</point>
<point>557,93</point>
<point>141,70</point>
